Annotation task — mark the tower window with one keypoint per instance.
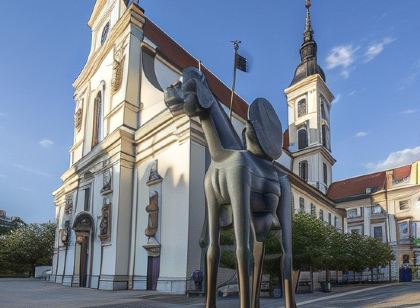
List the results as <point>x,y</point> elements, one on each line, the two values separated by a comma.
<point>325,136</point>
<point>302,108</point>
<point>325,169</point>
<point>97,120</point>
<point>324,110</point>
<point>302,138</point>
<point>303,170</point>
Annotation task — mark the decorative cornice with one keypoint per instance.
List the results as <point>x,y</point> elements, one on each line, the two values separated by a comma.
<point>297,89</point>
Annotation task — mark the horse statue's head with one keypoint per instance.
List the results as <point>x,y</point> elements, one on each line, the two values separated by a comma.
<point>191,96</point>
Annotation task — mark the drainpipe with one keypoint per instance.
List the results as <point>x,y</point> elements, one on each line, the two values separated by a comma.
<point>388,229</point>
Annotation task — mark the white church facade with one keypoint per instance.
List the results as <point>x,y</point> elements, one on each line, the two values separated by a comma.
<point>131,206</point>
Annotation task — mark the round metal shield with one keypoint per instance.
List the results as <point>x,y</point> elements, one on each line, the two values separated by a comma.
<point>267,127</point>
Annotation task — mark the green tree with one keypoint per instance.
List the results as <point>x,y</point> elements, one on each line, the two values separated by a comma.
<point>27,246</point>
<point>376,254</point>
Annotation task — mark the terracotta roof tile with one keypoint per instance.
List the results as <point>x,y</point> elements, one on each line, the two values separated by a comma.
<point>401,173</point>
<point>180,58</point>
<point>356,186</point>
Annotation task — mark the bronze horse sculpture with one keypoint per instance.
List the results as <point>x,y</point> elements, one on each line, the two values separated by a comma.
<point>242,186</point>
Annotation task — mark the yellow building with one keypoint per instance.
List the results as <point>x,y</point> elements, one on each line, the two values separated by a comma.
<point>385,205</point>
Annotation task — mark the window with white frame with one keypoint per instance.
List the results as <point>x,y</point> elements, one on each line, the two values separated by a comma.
<point>352,213</point>
<point>376,209</point>
<point>301,205</point>
<point>321,215</point>
<point>313,210</point>
<point>378,233</point>
<point>303,170</point>
<point>404,230</point>
<point>302,138</point>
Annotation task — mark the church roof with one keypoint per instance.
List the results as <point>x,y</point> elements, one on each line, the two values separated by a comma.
<point>308,53</point>
<point>180,58</point>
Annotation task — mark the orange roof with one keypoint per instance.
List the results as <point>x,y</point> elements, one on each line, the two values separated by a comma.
<point>354,187</point>
<point>180,58</point>
<point>401,172</point>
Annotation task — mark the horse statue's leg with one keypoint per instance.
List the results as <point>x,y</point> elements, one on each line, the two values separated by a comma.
<point>213,251</point>
<point>239,192</point>
<point>258,254</point>
<point>284,213</point>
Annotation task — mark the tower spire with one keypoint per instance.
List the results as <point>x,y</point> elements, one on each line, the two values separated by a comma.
<point>308,35</point>
<point>309,47</point>
<point>308,62</point>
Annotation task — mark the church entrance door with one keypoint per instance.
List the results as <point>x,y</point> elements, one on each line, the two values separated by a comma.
<point>83,261</point>
<point>83,226</point>
<point>153,267</point>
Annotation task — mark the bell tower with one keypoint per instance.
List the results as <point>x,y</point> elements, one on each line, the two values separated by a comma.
<point>309,105</point>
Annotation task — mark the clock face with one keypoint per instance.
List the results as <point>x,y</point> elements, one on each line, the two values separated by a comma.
<point>104,33</point>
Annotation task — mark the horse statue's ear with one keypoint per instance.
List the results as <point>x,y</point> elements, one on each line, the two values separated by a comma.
<point>204,95</point>
<point>173,98</point>
<point>267,127</point>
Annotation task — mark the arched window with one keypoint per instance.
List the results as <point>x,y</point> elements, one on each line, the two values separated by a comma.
<point>302,108</point>
<point>97,119</point>
<point>303,170</point>
<point>302,138</point>
<point>104,34</point>
<point>325,169</point>
<point>326,136</point>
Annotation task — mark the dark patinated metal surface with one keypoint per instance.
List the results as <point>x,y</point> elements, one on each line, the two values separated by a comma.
<point>241,185</point>
<point>267,127</point>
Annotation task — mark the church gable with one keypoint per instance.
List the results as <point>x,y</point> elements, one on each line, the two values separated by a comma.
<point>102,7</point>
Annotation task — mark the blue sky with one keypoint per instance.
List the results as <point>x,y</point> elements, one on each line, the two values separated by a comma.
<point>369,50</point>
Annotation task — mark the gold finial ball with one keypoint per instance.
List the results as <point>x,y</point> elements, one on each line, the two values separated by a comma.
<point>308,4</point>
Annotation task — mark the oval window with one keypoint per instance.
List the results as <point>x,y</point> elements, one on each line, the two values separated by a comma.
<point>105,33</point>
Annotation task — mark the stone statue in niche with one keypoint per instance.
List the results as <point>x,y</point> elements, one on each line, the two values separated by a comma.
<point>78,119</point>
<point>107,181</point>
<point>153,210</point>
<point>105,224</point>
<point>117,70</point>
<point>65,233</point>
<point>68,208</point>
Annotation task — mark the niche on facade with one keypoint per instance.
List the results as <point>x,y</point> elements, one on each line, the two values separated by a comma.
<point>65,233</point>
<point>78,119</point>
<point>68,207</point>
<point>152,210</point>
<point>117,69</point>
<point>107,182</point>
<point>153,215</point>
<point>105,223</point>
